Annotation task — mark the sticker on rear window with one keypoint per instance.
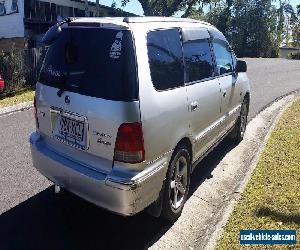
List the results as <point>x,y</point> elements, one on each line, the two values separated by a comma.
<point>115,50</point>
<point>53,72</point>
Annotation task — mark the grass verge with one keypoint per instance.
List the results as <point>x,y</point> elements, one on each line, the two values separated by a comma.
<point>19,97</point>
<point>271,199</point>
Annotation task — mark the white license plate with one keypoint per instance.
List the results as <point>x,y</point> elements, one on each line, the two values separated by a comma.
<point>70,131</point>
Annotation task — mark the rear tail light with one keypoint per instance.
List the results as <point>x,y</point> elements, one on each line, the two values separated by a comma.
<point>129,145</point>
<point>35,113</point>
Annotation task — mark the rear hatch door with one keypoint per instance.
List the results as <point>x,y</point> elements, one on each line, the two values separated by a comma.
<point>87,89</point>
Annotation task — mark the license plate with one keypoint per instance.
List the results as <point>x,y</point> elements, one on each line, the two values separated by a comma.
<point>70,130</point>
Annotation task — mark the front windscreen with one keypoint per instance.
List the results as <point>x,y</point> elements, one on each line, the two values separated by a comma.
<point>92,61</point>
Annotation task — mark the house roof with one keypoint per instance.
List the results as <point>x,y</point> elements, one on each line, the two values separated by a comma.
<point>289,48</point>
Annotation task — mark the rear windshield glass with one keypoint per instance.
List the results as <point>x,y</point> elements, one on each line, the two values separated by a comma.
<point>94,62</point>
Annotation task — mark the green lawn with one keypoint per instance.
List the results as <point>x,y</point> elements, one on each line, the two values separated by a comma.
<point>22,96</point>
<point>271,199</point>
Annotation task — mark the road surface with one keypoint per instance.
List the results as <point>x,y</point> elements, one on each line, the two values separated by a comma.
<point>31,217</point>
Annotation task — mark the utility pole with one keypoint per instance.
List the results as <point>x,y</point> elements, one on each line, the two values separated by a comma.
<point>97,8</point>
<point>86,10</point>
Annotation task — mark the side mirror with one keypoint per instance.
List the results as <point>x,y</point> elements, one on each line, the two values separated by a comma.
<point>241,66</point>
<point>51,35</point>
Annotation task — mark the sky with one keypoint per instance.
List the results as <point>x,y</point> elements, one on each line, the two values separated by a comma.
<point>135,7</point>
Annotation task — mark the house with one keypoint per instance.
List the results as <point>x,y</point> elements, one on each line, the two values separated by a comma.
<point>24,22</point>
<point>284,51</point>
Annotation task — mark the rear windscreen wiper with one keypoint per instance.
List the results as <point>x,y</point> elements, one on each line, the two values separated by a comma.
<point>62,86</point>
<point>60,92</point>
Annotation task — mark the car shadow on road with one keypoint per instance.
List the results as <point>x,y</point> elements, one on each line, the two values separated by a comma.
<point>205,168</point>
<point>47,222</point>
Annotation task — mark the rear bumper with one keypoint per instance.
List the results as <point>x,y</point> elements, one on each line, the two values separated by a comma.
<point>119,195</point>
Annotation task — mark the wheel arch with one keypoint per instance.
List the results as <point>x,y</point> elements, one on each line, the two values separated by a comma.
<point>185,141</point>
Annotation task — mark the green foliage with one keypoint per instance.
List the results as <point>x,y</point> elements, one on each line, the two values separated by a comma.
<point>295,56</point>
<point>280,22</point>
<point>251,26</point>
<point>166,7</point>
<point>220,16</point>
<point>253,30</point>
<point>196,13</point>
<point>295,26</point>
<point>16,97</point>
<point>13,70</point>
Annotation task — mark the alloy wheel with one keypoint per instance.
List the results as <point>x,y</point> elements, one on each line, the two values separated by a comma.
<point>178,184</point>
<point>243,124</point>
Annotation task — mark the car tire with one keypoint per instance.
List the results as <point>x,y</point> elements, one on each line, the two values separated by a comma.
<point>238,132</point>
<point>176,185</point>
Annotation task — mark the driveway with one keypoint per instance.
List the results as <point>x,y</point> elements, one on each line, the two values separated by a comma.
<point>33,218</point>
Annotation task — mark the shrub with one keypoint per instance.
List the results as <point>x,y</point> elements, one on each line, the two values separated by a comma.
<point>13,69</point>
<point>295,56</point>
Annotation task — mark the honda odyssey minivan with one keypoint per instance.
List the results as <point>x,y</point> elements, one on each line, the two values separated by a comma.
<point>125,108</point>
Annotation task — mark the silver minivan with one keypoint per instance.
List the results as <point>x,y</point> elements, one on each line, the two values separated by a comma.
<point>125,108</point>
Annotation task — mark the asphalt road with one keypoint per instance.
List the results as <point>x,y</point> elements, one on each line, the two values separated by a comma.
<point>32,217</point>
<point>270,79</point>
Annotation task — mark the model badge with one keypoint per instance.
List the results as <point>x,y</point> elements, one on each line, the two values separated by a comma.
<point>100,136</point>
<point>67,99</point>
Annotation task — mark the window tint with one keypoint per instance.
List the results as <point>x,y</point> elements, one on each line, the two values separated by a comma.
<point>223,56</point>
<point>101,65</point>
<point>165,59</point>
<point>198,60</point>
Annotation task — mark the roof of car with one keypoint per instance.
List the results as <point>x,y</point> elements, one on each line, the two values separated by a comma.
<point>125,20</point>
<point>159,19</point>
<point>101,20</point>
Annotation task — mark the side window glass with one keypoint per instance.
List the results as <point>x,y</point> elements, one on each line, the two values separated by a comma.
<point>198,59</point>
<point>223,57</point>
<point>165,58</point>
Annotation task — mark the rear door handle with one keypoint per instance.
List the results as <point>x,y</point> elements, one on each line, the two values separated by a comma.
<point>224,94</point>
<point>194,106</point>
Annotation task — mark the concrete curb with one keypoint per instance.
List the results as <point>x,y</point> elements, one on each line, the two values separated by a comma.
<point>16,108</point>
<point>211,203</point>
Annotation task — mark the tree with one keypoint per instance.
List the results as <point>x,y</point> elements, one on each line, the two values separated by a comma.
<point>166,7</point>
<point>254,25</point>
<point>280,22</point>
<point>86,8</point>
<point>251,26</point>
<point>295,26</point>
<point>220,15</point>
